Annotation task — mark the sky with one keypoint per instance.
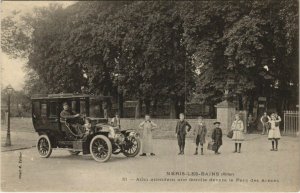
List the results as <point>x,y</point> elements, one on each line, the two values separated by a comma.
<point>12,70</point>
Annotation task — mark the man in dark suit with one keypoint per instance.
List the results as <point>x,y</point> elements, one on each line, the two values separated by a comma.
<point>181,129</point>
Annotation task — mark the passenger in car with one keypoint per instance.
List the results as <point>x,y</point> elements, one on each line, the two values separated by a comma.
<point>88,128</point>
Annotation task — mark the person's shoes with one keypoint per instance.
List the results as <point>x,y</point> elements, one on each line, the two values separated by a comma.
<point>239,151</point>
<point>143,154</point>
<point>202,153</point>
<point>179,153</point>
<point>217,153</point>
<point>196,153</point>
<point>276,149</point>
<point>263,133</point>
<point>272,150</point>
<point>152,154</point>
<point>234,151</point>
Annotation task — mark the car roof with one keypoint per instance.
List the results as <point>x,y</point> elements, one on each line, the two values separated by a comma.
<point>66,96</point>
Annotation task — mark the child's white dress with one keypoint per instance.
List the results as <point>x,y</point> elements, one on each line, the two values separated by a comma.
<point>274,132</point>
<point>238,131</point>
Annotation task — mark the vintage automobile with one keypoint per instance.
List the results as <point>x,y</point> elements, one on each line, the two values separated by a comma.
<point>101,142</point>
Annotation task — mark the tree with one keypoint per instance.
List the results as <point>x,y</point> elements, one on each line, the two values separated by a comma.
<point>153,58</point>
<point>241,43</point>
<point>155,52</point>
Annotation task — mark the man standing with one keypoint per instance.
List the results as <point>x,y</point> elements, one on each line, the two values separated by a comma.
<point>250,124</point>
<point>104,107</point>
<point>147,128</point>
<point>264,120</point>
<point>181,132</point>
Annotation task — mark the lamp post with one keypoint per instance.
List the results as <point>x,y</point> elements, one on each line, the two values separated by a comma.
<point>9,91</point>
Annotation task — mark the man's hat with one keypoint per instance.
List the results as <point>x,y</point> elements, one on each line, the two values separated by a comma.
<point>65,103</point>
<point>217,122</point>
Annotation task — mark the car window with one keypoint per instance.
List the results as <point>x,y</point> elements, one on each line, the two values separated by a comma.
<point>82,107</point>
<point>53,109</point>
<point>36,109</point>
<point>44,109</point>
<point>75,107</point>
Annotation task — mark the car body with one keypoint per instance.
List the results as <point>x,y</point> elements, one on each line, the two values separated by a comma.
<point>101,142</point>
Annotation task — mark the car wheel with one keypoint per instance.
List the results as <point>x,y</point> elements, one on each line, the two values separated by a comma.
<point>100,148</point>
<point>73,152</point>
<point>44,146</point>
<point>133,147</point>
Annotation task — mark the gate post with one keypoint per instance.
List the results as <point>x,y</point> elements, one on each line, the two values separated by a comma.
<point>225,114</point>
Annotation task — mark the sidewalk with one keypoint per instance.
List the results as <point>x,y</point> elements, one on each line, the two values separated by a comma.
<point>22,134</point>
<point>19,140</point>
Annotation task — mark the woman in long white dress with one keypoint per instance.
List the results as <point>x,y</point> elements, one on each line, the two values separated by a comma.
<point>147,128</point>
<point>274,132</point>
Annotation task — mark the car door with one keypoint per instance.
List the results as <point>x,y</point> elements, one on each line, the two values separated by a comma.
<point>53,115</point>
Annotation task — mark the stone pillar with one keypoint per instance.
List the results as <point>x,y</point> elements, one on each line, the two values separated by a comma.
<point>225,115</point>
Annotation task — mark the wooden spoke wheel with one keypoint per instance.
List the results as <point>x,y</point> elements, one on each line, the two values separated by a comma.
<point>44,146</point>
<point>132,147</point>
<point>101,148</point>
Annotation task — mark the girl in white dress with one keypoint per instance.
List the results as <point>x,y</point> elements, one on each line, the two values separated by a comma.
<point>238,133</point>
<point>274,132</point>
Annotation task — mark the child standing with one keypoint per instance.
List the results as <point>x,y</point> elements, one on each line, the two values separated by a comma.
<point>181,132</point>
<point>217,136</point>
<point>274,132</point>
<point>238,133</point>
<point>200,133</point>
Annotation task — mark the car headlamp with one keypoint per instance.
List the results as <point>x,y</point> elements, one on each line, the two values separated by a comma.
<point>133,134</point>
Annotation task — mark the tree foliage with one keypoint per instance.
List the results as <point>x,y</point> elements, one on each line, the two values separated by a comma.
<point>160,51</point>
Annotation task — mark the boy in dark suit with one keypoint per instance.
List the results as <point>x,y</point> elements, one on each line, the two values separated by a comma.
<point>217,136</point>
<point>181,132</point>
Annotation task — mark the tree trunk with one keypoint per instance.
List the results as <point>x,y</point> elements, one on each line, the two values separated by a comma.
<point>240,107</point>
<point>138,109</point>
<point>173,108</point>
<point>251,104</point>
<point>154,108</point>
<point>244,102</point>
<point>181,108</point>
<point>212,111</point>
<point>147,105</point>
<point>120,105</point>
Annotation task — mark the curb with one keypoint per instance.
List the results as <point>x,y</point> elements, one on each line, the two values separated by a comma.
<point>18,148</point>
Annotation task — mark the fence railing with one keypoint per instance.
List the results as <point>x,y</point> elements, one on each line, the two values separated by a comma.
<point>291,123</point>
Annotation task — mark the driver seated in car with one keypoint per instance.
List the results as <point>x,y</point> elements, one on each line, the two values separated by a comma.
<point>71,118</point>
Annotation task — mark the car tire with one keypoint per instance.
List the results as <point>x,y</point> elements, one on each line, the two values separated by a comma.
<point>44,146</point>
<point>101,148</point>
<point>128,153</point>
